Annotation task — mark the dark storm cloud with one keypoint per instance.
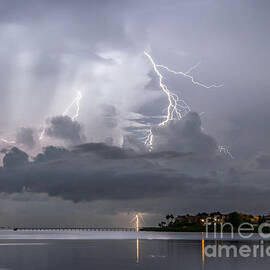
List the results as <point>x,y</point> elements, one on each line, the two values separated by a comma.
<point>63,127</point>
<point>26,137</point>
<point>51,153</point>
<point>15,158</point>
<point>94,172</point>
<point>184,136</point>
<point>3,151</point>
<point>186,166</point>
<point>104,151</point>
<point>90,172</point>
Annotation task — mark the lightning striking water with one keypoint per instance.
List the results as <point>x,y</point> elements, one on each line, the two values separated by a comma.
<point>177,108</point>
<point>76,103</point>
<point>136,219</point>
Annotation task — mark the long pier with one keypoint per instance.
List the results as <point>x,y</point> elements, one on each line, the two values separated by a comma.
<point>76,229</point>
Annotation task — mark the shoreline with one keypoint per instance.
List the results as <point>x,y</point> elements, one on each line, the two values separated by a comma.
<point>10,235</point>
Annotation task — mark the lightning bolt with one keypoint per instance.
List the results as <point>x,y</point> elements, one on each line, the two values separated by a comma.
<point>7,141</point>
<point>186,74</point>
<point>177,108</point>
<point>76,103</point>
<point>41,136</point>
<point>225,150</point>
<point>136,219</point>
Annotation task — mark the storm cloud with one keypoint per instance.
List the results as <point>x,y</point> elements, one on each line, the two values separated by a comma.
<point>63,127</point>
<point>184,136</point>
<point>50,50</point>
<point>15,158</point>
<point>97,172</point>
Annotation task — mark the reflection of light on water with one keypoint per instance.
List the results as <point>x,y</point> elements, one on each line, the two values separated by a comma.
<point>203,258</point>
<point>138,251</point>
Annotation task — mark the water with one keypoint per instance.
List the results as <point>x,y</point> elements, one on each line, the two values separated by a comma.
<point>116,250</point>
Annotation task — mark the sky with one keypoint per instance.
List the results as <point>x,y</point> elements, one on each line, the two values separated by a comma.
<point>78,98</point>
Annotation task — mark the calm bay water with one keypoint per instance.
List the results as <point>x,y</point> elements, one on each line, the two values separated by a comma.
<point>115,250</point>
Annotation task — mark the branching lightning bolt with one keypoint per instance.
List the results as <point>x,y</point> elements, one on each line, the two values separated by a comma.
<point>186,74</point>
<point>177,108</point>
<point>76,103</point>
